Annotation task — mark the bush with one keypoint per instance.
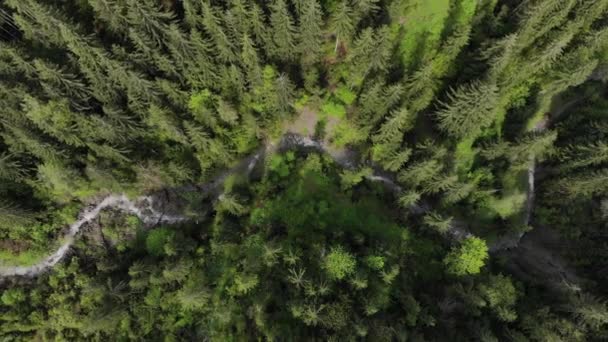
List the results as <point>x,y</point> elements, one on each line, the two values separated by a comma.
<point>11,297</point>
<point>375,262</point>
<point>334,109</point>
<point>157,239</point>
<point>339,263</point>
<point>345,95</point>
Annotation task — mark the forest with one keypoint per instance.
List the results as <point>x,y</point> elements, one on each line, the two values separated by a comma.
<point>304,170</point>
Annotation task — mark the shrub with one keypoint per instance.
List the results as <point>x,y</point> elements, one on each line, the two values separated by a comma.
<point>14,296</point>
<point>334,109</point>
<point>375,262</point>
<point>345,95</point>
<point>157,239</point>
<point>339,263</point>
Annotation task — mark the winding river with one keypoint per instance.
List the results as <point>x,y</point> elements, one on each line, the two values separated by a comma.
<point>146,207</point>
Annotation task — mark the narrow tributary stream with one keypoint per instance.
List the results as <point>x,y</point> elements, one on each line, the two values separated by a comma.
<point>144,207</point>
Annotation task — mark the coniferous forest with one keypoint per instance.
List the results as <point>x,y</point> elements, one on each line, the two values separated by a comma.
<point>304,170</point>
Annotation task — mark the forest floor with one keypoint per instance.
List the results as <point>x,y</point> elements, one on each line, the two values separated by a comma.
<point>537,260</point>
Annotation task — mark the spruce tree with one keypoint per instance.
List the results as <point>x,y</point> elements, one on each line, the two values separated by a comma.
<point>470,109</point>
<point>212,23</point>
<point>310,35</point>
<point>283,32</point>
<point>341,23</point>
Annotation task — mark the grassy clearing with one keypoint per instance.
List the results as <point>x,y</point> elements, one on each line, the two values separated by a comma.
<point>423,22</point>
<point>25,258</point>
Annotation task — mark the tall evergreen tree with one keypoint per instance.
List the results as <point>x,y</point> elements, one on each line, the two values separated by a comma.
<point>341,23</point>
<point>310,35</point>
<point>469,110</point>
<point>283,32</point>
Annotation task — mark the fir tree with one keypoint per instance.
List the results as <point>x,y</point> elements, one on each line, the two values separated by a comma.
<point>469,110</point>
<point>341,23</point>
<point>310,35</point>
<point>283,32</point>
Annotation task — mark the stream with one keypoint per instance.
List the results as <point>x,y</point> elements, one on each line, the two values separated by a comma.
<point>143,208</point>
<point>150,212</point>
<point>146,207</point>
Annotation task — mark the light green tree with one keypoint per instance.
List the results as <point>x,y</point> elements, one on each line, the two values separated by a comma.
<point>468,258</point>
<point>339,263</point>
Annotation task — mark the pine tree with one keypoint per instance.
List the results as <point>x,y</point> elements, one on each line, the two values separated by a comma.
<point>409,199</point>
<point>165,125</point>
<point>110,12</point>
<point>310,35</point>
<point>149,20</point>
<point>55,119</point>
<point>584,184</point>
<point>237,19</point>
<point>520,153</point>
<point>227,113</point>
<point>387,147</point>
<point>579,156</point>
<point>341,23</point>
<point>469,110</point>
<point>383,49</point>
<point>285,93</point>
<point>212,23</point>
<point>259,29</point>
<point>200,71</point>
<point>438,223</point>
<point>59,83</point>
<point>283,32</point>
<point>421,173</point>
<point>360,55</point>
<point>365,7</point>
<point>250,60</point>
<point>192,8</point>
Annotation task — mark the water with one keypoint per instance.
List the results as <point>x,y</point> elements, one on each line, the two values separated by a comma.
<point>142,207</point>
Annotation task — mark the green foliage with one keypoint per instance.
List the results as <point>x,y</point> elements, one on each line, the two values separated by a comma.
<point>500,296</point>
<point>346,133</point>
<point>375,262</point>
<point>280,164</point>
<point>13,297</point>
<point>468,258</point>
<point>423,23</point>
<point>157,239</point>
<point>339,264</point>
<point>469,111</point>
<point>463,102</point>
<point>350,178</point>
<point>345,95</point>
<point>333,109</point>
<point>508,205</point>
